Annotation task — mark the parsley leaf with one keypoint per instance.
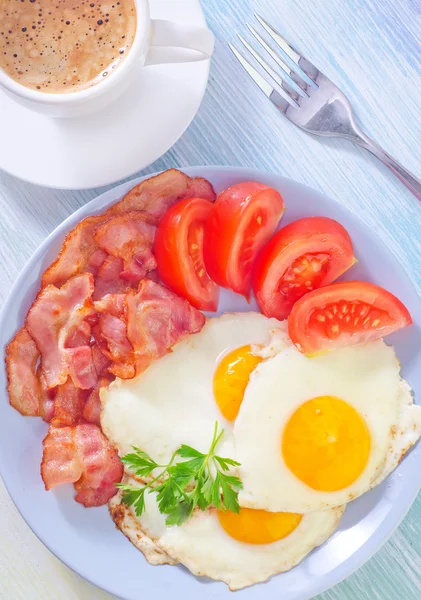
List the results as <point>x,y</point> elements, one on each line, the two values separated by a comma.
<point>206,489</point>
<point>189,452</point>
<point>225,463</point>
<point>198,481</point>
<point>230,495</point>
<point>216,491</point>
<point>181,513</point>
<point>133,496</point>
<point>139,462</point>
<point>168,495</point>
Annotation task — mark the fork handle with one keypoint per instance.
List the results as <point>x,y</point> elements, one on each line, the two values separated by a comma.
<point>407,178</point>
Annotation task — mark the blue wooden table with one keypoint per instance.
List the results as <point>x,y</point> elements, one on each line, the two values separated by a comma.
<point>372,50</point>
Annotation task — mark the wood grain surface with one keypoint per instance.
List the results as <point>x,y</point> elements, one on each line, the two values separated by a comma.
<point>372,50</point>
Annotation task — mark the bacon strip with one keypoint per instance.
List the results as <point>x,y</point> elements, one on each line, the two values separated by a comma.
<point>81,367</point>
<point>24,388</point>
<point>101,362</point>
<point>92,408</point>
<point>46,407</point>
<point>71,347</point>
<point>156,320</point>
<point>155,195</point>
<point>83,456</point>
<point>78,254</point>
<point>113,332</point>
<point>108,280</point>
<point>112,304</point>
<point>69,403</point>
<point>130,237</point>
<point>56,322</point>
<point>102,468</point>
<point>60,461</point>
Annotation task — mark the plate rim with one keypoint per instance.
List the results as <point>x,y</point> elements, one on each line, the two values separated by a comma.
<point>96,205</point>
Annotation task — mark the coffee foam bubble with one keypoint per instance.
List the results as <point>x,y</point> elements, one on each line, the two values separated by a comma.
<point>60,46</point>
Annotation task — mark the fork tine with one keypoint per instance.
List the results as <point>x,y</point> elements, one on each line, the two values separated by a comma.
<point>266,88</point>
<point>282,42</point>
<point>291,52</point>
<point>288,72</point>
<point>292,95</point>
<point>281,99</point>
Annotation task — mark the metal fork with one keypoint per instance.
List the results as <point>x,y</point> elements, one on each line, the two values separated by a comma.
<point>310,100</point>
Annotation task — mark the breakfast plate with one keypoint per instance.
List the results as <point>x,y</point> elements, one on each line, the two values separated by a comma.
<point>87,541</point>
<point>117,141</point>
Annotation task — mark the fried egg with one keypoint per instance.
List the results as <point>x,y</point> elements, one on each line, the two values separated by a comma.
<point>238,549</point>
<point>180,396</point>
<point>310,435</point>
<point>314,433</point>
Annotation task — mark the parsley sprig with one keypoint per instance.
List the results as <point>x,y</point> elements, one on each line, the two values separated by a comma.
<point>197,480</point>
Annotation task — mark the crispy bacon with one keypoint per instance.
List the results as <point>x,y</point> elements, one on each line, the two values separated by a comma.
<point>91,322</point>
<point>46,407</point>
<point>101,361</point>
<point>130,237</point>
<point>157,194</point>
<point>78,254</point>
<point>113,333</point>
<point>78,334</point>
<point>24,388</point>
<point>156,320</point>
<point>102,467</point>
<point>56,321</point>
<point>60,460</point>
<point>92,408</point>
<point>108,280</point>
<point>112,304</point>
<point>81,367</point>
<point>83,456</point>
<point>69,403</point>
<point>95,261</point>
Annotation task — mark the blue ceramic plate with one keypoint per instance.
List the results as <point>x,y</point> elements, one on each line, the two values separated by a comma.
<point>87,541</point>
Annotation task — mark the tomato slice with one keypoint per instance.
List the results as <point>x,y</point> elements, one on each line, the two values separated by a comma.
<point>179,253</point>
<point>301,257</point>
<point>344,314</point>
<point>242,220</point>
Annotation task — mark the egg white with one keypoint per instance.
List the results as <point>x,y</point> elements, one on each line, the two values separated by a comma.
<point>172,402</point>
<point>365,376</point>
<point>204,547</point>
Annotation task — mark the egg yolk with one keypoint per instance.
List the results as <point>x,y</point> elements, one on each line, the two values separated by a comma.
<point>231,378</point>
<point>326,444</point>
<point>258,526</point>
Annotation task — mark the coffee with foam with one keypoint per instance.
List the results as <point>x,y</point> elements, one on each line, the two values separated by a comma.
<point>60,46</point>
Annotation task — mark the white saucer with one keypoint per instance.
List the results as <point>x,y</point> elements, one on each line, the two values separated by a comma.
<point>107,146</point>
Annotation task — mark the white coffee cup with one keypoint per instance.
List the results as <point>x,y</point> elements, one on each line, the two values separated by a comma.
<point>155,42</point>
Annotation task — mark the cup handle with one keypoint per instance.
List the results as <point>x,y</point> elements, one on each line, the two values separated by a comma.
<point>177,43</point>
